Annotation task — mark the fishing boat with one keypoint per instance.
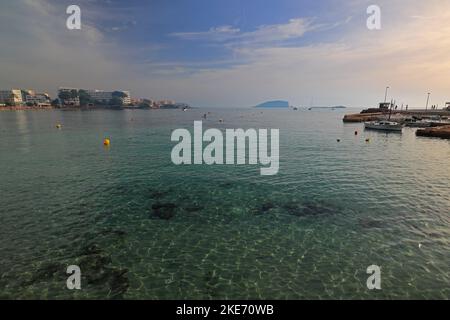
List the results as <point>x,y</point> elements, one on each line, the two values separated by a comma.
<point>418,124</point>
<point>383,126</point>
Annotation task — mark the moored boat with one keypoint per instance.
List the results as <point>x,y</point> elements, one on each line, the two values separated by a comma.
<point>383,126</point>
<point>418,124</point>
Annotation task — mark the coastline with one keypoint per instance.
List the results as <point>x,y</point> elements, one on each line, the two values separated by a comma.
<point>69,108</point>
<point>374,116</point>
<point>26,108</point>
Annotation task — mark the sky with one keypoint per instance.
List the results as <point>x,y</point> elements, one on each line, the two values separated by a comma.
<point>230,53</point>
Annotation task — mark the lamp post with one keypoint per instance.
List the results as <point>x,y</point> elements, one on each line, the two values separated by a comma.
<point>428,99</point>
<point>385,94</point>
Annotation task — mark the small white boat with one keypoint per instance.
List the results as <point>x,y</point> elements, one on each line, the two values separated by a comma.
<point>383,126</point>
<point>418,124</point>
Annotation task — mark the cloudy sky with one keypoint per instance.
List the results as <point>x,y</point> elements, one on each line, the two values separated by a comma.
<point>232,53</point>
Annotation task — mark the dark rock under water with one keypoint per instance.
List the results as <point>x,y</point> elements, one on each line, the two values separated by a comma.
<point>265,208</point>
<point>193,208</point>
<point>95,265</point>
<point>308,209</point>
<point>370,223</point>
<point>45,272</point>
<point>113,232</point>
<point>158,194</point>
<point>297,209</point>
<point>97,272</point>
<point>165,211</point>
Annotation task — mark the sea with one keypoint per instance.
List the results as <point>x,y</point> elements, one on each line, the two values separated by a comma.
<point>140,227</point>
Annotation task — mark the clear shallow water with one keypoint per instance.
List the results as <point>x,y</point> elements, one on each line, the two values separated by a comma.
<point>309,232</point>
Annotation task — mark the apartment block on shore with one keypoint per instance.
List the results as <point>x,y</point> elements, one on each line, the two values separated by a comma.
<point>71,96</point>
<point>21,97</point>
<point>11,97</point>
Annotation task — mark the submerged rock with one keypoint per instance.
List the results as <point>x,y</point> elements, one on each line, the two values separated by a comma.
<point>91,249</point>
<point>314,209</point>
<point>370,223</point>
<point>96,268</point>
<point>47,271</point>
<point>193,208</point>
<point>97,272</point>
<point>118,283</point>
<point>307,209</point>
<point>93,263</point>
<point>158,194</point>
<point>226,185</point>
<point>265,207</point>
<point>116,232</point>
<point>164,211</point>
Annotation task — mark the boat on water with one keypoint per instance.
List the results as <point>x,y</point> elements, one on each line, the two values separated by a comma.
<point>418,124</point>
<point>384,126</point>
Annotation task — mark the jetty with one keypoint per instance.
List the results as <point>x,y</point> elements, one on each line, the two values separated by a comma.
<point>378,116</point>
<point>437,132</point>
<point>435,126</point>
<point>387,109</point>
<point>363,117</point>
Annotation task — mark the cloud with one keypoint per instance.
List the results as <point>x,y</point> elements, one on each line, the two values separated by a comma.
<point>221,33</point>
<point>38,51</point>
<point>410,55</point>
<point>295,28</point>
<point>263,35</point>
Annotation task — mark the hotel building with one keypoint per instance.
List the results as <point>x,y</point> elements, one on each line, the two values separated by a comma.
<point>106,96</point>
<point>38,99</point>
<point>100,96</point>
<point>75,101</point>
<point>11,96</point>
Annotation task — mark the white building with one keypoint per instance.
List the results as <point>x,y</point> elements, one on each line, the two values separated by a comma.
<point>12,96</point>
<point>39,99</point>
<point>127,99</point>
<point>100,95</point>
<point>27,92</point>
<point>75,101</point>
<point>106,96</point>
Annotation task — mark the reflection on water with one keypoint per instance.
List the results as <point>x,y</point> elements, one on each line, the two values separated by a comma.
<point>140,227</point>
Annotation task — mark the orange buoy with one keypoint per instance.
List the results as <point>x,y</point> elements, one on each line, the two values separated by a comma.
<point>106,142</point>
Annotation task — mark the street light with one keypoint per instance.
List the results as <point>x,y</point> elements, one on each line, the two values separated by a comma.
<point>385,94</point>
<point>428,99</point>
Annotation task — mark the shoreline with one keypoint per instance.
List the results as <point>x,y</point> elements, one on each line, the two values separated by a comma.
<point>374,116</point>
<point>442,132</point>
<point>26,108</point>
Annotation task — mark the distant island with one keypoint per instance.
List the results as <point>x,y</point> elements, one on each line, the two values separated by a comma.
<point>335,107</point>
<point>274,104</point>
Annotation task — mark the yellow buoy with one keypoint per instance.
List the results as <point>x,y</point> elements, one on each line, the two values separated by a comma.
<point>106,142</point>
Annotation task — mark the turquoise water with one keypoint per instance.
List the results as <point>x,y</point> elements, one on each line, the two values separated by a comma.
<point>140,227</point>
